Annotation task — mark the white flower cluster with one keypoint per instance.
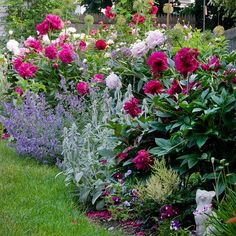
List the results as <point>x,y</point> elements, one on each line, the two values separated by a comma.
<point>113,81</point>
<point>13,46</point>
<point>153,39</point>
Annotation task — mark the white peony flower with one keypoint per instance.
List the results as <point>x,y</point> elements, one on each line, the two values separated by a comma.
<point>46,39</point>
<point>113,81</point>
<point>13,46</point>
<point>155,38</point>
<point>110,42</point>
<point>139,49</point>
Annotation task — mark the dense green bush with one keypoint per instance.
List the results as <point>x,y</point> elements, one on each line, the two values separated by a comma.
<point>23,15</point>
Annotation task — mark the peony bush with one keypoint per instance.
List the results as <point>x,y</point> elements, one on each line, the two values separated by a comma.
<point>137,115</point>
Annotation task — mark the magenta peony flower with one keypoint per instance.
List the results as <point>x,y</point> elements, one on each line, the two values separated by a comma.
<point>175,88</point>
<point>101,44</point>
<point>121,156</point>
<point>82,46</point>
<point>82,88</point>
<point>55,22</point>
<point>108,13</point>
<point>52,22</point>
<point>154,9</point>
<point>33,43</point>
<point>51,52</point>
<point>152,87</point>
<point>98,78</point>
<point>43,28</point>
<point>66,54</point>
<point>17,63</point>
<point>186,60</point>
<point>19,91</point>
<point>143,160</point>
<point>157,62</point>
<point>27,70</point>
<point>131,107</point>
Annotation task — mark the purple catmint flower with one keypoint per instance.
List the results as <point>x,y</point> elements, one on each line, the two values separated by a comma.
<point>37,128</point>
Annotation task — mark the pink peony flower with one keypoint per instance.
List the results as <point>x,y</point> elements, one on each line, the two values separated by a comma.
<point>93,32</point>
<point>19,91</point>
<point>51,52</point>
<point>108,13</point>
<point>137,18</point>
<point>82,88</point>
<point>33,43</point>
<point>175,88</point>
<point>157,62</point>
<point>82,46</point>
<point>98,78</point>
<point>55,22</point>
<point>101,44</point>
<point>27,70</point>
<point>186,60</point>
<point>131,107</point>
<point>66,54</point>
<point>143,160</point>
<point>152,87</point>
<point>17,63</point>
<point>43,28</point>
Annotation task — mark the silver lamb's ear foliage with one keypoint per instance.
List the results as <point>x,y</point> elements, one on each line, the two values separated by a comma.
<point>128,93</point>
<point>145,107</point>
<point>81,150</point>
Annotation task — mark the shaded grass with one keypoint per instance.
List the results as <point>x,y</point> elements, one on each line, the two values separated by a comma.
<point>33,202</point>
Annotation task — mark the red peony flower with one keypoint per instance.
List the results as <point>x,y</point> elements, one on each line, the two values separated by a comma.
<point>131,107</point>
<point>138,18</point>
<point>51,52</point>
<point>154,9</point>
<point>101,44</point>
<point>175,88</point>
<point>186,60</point>
<point>108,13</point>
<point>82,88</point>
<point>143,160</point>
<point>157,62</point>
<point>66,54</point>
<point>152,87</point>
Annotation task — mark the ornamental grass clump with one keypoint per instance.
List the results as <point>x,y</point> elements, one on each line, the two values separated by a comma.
<point>162,183</point>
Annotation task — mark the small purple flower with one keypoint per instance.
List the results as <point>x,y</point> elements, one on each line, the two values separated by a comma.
<point>128,173</point>
<point>134,193</point>
<point>175,225</point>
<point>116,200</point>
<point>126,204</point>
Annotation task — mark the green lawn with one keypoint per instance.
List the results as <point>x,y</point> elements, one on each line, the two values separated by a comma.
<point>34,203</point>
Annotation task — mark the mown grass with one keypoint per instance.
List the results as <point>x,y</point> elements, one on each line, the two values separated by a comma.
<point>34,203</point>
